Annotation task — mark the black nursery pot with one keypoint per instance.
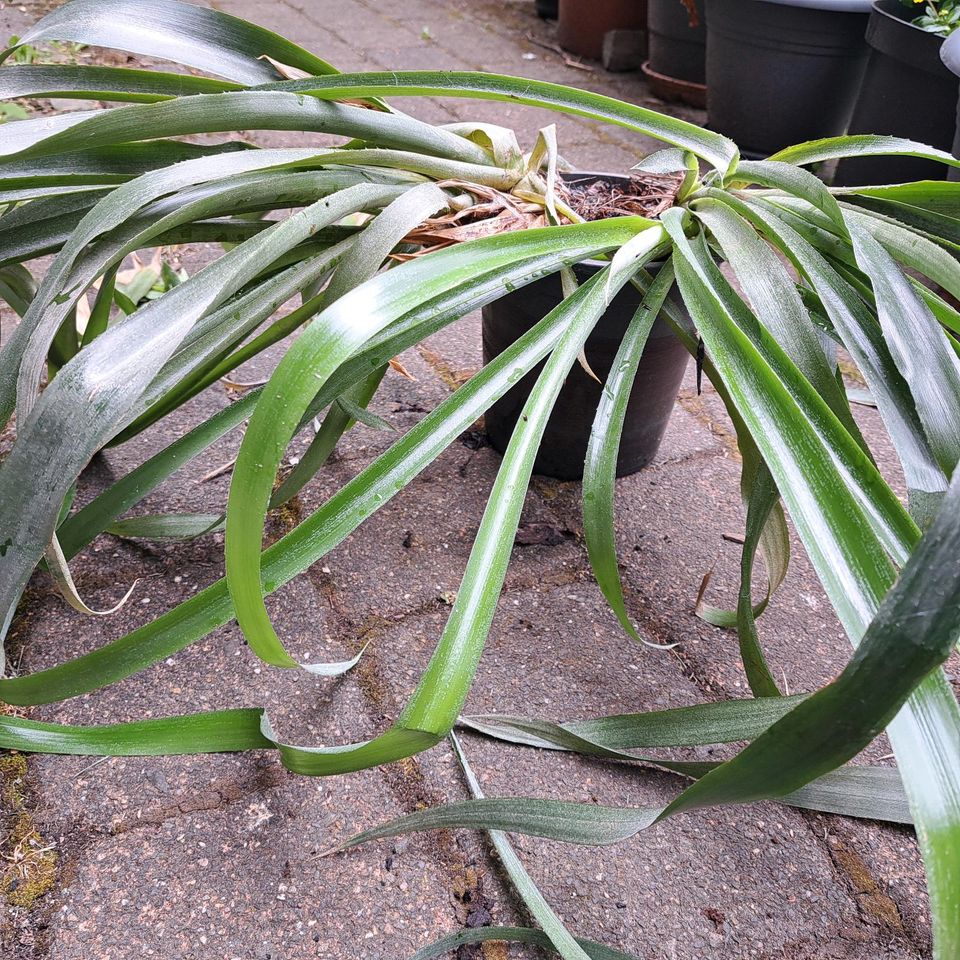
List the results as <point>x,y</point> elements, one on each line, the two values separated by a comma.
<point>779,74</point>
<point>564,446</point>
<point>950,55</point>
<point>906,92</point>
<point>677,67</point>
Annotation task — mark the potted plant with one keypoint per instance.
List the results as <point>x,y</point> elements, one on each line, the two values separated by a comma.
<point>783,71</point>
<point>583,24</point>
<point>907,91</point>
<point>563,449</point>
<point>767,344</point>
<point>677,40</point>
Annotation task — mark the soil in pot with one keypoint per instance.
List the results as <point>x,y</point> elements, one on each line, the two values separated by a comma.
<point>906,92</point>
<point>661,368</point>
<point>677,40</point>
<point>583,24</point>
<point>779,74</point>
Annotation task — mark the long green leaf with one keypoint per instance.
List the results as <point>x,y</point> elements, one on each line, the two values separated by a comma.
<point>716,150</point>
<point>191,371</point>
<point>941,197</point>
<point>336,333</point>
<point>777,305</point>
<point>220,731</point>
<point>347,509</point>
<point>872,792</point>
<point>590,824</point>
<point>894,226</point>
<point>83,170</point>
<point>236,110</point>
<point>863,338</point>
<point>926,737</point>
<point>60,437</point>
<point>433,708</point>
<point>167,526</point>
<point>113,210</point>
<point>795,181</point>
<point>918,345</point>
<point>860,145</point>
<point>560,938</point>
<point>17,287</point>
<point>600,467</point>
<point>103,83</point>
<point>181,32</point>
<point>435,704</point>
<point>80,528</point>
<point>429,317</point>
<point>914,632</point>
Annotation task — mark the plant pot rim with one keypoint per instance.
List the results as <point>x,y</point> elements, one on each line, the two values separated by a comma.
<point>890,33</point>
<point>837,6</point>
<point>894,10</point>
<point>598,174</point>
<point>950,52</point>
<point>688,91</point>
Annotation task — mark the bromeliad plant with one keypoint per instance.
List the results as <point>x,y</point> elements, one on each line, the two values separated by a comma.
<point>816,268</point>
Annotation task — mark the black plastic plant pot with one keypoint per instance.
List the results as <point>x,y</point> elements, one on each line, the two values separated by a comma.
<point>950,55</point>
<point>906,92</point>
<point>677,64</point>
<point>564,446</point>
<point>781,72</point>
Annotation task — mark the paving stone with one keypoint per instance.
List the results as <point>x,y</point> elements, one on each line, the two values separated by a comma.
<point>244,880</point>
<point>720,876</point>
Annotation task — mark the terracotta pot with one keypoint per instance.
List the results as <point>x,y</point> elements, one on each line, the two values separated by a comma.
<point>677,68</point>
<point>584,23</point>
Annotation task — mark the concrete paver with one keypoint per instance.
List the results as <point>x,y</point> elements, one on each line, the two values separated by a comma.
<point>216,857</point>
